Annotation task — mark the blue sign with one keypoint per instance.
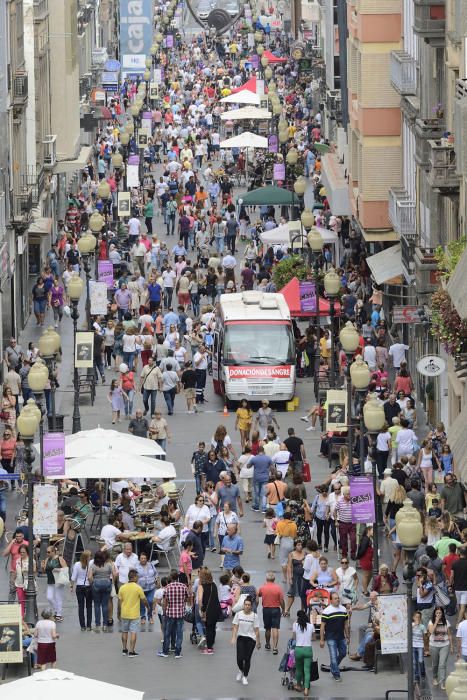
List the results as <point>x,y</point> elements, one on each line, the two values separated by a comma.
<point>109,78</point>
<point>112,65</point>
<point>136,23</point>
<point>9,477</point>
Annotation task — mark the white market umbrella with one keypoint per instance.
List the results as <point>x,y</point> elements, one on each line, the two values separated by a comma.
<point>245,140</point>
<point>86,442</point>
<point>55,684</point>
<point>114,464</point>
<point>246,113</point>
<point>281,235</point>
<point>244,97</point>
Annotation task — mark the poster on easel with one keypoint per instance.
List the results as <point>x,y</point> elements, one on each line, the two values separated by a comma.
<point>11,634</point>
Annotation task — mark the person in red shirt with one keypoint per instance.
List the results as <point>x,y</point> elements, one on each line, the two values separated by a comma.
<point>272,600</point>
<point>12,551</point>
<point>449,560</point>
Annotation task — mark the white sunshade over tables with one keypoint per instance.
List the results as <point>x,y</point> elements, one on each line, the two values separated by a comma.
<point>87,442</point>
<point>245,140</point>
<point>246,113</point>
<point>55,684</point>
<point>244,97</point>
<point>113,464</point>
<point>281,234</point>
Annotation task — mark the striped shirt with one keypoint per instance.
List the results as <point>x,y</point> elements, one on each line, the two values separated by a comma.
<point>334,619</point>
<point>344,510</point>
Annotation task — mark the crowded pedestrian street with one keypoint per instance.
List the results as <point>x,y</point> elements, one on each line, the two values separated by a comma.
<point>227,427</point>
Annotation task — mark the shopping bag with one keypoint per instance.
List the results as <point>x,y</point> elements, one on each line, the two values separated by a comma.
<point>306,472</point>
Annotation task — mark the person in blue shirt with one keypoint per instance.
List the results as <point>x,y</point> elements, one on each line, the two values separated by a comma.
<point>179,249</point>
<point>261,464</point>
<point>155,292</point>
<point>232,547</point>
<point>375,316</point>
<point>170,319</point>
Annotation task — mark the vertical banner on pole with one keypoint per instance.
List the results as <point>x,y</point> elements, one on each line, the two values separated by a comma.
<point>393,622</point>
<point>54,454</point>
<point>105,272</point>
<point>45,509</point>
<point>362,499</point>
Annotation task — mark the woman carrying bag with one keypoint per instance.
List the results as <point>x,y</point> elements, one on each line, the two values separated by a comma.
<point>56,570</point>
<point>303,631</point>
<point>209,607</point>
<point>80,579</point>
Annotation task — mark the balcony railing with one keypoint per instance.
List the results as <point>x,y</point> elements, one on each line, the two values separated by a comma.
<point>20,88</point>
<point>22,206</point>
<point>429,18</point>
<point>402,212</point>
<point>50,151</point>
<point>442,174</point>
<point>403,73</point>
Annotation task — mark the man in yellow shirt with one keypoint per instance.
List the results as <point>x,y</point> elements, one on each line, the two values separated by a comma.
<point>130,597</point>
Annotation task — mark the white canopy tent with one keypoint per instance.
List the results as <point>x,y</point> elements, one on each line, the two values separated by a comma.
<point>113,464</point>
<point>250,113</point>
<point>87,442</point>
<point>245,140</point>
<point>55,684</point>
<point>244,97</point>
<point>282,234</point>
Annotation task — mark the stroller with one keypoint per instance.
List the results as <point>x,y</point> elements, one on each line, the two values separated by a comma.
<point>317,599</point>
<point>287,666</point>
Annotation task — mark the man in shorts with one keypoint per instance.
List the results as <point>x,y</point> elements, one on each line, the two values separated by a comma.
<point>459,582</point>
<point>130,596</point>
<point>272,599</point>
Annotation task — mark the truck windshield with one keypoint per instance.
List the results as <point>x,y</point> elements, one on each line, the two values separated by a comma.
<point>259,344</point>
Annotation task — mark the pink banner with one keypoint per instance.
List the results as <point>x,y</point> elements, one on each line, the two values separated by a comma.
<point>362,499</point>
<point>105,272</point>
<point>54,454</point>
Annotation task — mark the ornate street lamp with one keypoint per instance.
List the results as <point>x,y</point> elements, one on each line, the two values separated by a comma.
<point>27,425</point>
<point>332,285</point>
<point>49,347</point>
<point>409,531</point>
<point>86,246</point>
<point>349,339</point>
<point>75,290</point>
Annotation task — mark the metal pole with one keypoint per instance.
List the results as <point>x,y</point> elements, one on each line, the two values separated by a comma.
<point>362,428</point>
<point>349,356</point>
<point>408,579</point>
<point>31,606</point>
<point>76,414</point>
<point>375,484</point>
<point>332,369</point>
<point>49,361</point>
<point>87,270</point>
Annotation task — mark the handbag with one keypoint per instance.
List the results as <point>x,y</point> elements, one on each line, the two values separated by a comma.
<point>306,472</point>
<point>4,415</point>
<point>441,597</point>
<point>314,671</point>
<point>62,576</point>
<point>188,616</point>
<point>239,604</point>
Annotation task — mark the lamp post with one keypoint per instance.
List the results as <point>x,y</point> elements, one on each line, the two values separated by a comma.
<point>374,418</point>
<point>49,346</point>
<point>124,140</point>
<point>299,188</point>
<point>86,246</point>
<point>332,284</point>
<point>409,531</point>
<point>349,339</point>
<point>27,425</point>
<point>96,223</point>
<point>360,376</point>
<point>75,289</point>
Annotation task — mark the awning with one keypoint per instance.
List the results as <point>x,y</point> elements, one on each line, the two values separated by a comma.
<point>386,267</point>
<point>246,113</point>
<point>282,234</point>
<point>70,166</point>
<point>41,226</point>
<point>249,85</point>
<point>332,177</point>
<point>457,286</point>
<point>243,97</point>
<point>381,237</point>
<point>273,196</point>
<point>457,439</point>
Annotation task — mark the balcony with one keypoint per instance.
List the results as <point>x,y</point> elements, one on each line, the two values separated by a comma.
<point>41,10</point>
<point>426,130</point>
<point>20,88</point>
<point>442,174</point>
<point>402,212</point>
<point>426,270</point>
<point>430,19</point>
<point>403,73</point>
<point>22,207</point>
<point>460,126</point>
<point>50,151</point>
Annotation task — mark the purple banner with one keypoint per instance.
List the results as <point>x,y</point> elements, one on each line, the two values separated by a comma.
<point>273,143</point>
<point>105,272</point>
<point>307,291</point>
<point>147,115</point>
<point>54,454</point>
<point>362,499</point>
<point>254,60</point>
<point>279,171</point>
<point>133,160</point>
<point>169,41</point>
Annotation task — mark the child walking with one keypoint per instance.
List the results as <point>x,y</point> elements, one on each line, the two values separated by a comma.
<point>270,522</point>
<point>418,630</point>
<point>116,396</point>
